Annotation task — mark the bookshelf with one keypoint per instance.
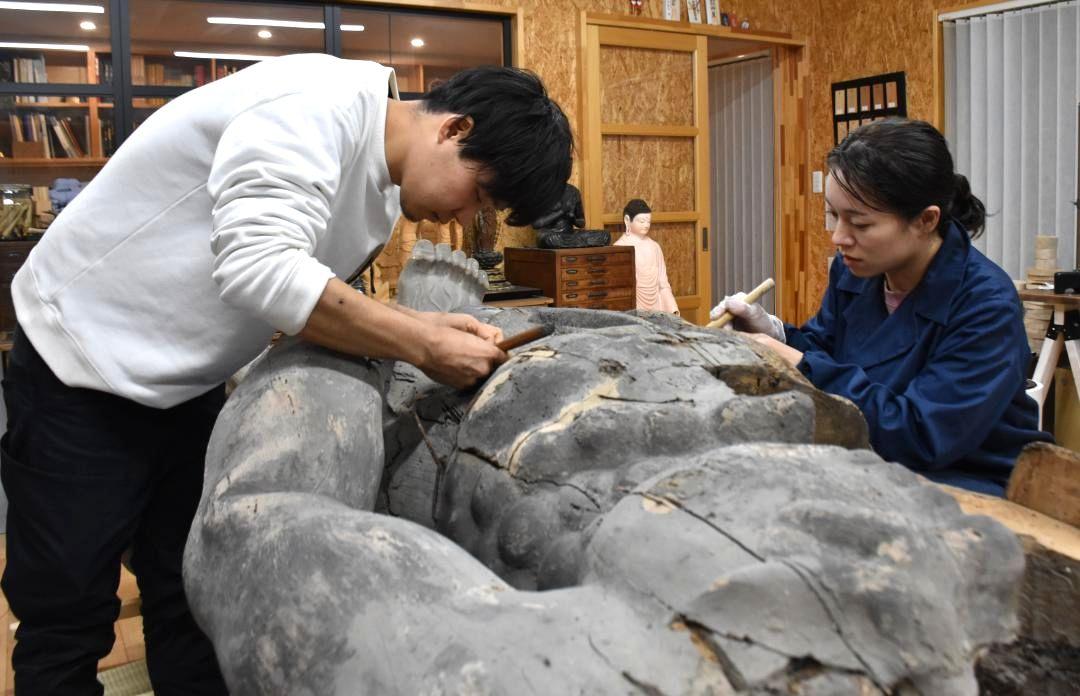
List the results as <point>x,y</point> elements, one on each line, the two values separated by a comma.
<point>67,102</point>
<point>54,115</point>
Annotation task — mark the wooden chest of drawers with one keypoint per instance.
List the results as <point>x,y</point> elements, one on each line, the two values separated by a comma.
<point>594,278</point>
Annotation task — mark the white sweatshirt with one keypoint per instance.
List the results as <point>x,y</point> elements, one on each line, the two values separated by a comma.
<point>220,219</point>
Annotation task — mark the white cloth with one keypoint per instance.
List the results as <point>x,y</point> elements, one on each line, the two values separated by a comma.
<point>653,289</point>
<point>220,219</point>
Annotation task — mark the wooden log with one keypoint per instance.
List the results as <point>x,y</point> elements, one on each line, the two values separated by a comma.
<point>1046,478</point>
<point>1049,608</point>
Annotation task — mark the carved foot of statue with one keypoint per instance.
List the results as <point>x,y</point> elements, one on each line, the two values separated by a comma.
<point>437,279</point>
<point>573,240</point>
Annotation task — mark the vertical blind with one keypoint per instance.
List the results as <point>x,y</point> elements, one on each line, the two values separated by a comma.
<point>1012,97</point>
<point>741,152</point>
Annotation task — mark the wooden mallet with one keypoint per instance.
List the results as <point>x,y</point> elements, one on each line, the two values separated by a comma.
<point>752,297</point>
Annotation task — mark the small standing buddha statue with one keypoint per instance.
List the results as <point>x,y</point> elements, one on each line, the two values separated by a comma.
<point>653,289</point>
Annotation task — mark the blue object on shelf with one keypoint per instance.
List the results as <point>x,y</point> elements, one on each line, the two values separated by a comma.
<point>62,191</point>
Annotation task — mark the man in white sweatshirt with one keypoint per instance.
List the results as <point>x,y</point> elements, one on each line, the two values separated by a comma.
<point>232,212</point>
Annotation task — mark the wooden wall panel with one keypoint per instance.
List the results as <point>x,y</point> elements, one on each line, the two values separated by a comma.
<point>639,85</point>
<point>630,164</point>
<point>797,301</point>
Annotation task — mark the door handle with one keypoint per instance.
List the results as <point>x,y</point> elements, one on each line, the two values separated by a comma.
<point>704,238</point>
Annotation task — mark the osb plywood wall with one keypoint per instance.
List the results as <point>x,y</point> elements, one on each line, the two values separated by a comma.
<point>639,85</point>
<point>630,164</point>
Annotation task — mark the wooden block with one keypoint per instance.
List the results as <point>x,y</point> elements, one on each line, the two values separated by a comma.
<point>28,149</point>
<point>1046,241</point>
<point>1046,478</point>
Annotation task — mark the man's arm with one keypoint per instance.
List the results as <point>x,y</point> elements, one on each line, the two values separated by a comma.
<point>346,321</point>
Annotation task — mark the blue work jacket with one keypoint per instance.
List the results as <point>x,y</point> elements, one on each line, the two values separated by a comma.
<point>941,380</point>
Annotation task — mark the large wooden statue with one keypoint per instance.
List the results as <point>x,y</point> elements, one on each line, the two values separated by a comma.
<point>630,505</point>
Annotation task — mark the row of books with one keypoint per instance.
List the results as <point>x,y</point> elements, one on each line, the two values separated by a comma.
<point>26,70</point>
<point>143,72</point>
<point>56,134</point>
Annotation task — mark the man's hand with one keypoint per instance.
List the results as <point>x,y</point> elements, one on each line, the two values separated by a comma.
<point>463,322</point>
<point>790,355</point>
<point>460,358</point>
<point>454,349</point>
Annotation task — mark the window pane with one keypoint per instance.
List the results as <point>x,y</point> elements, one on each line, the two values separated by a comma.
<point>372,42</point>
<point>421,47</point>
<point>143,107</point>
<point>214,39</point>
<point>63,45</point>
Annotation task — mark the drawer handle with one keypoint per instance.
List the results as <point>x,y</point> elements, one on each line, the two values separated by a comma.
<point>596,258</point>
<point>597,271</point>
<point>572,283</point>
<point>602,293</point>
<point>570,259</point>
<point>571,296</point>
<point>15,254</point>
<point>599,281</point>
<point>571,271</point>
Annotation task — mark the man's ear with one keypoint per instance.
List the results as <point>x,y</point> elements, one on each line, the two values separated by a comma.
<point>626,220</point>
<point>455,127</point>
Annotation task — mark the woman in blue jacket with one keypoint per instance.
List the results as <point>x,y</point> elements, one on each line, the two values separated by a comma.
<point>917,327</point>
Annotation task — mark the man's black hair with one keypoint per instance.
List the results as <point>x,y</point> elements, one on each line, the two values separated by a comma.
<point>520,138</point>
<point>636,207</point>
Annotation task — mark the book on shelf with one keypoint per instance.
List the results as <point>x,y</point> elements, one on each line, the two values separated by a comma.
<point>30,128</point>
<point>30,70</point>
<point>66,136</point>
<point>104,68</point>
<point>54,136</point>
<point>107,131</point>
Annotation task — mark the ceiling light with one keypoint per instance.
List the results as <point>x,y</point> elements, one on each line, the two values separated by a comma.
<point>44,46</point>
<point>51,7</point>
<point>417,42</point>
<point>87,25</point>
<point>352,27</point>
<point>244,21</point>
<point>226,56</point>
<point>264,34</point>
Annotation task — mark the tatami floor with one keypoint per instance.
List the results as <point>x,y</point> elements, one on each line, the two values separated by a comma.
<point>129,635</point>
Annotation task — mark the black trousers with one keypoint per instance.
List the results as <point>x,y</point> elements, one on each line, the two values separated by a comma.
<point>88,475</point>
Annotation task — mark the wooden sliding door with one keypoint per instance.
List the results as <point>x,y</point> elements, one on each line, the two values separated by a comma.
<point>645,135</point>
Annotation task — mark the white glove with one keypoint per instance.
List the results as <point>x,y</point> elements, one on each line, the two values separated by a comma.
<point>749,318</point>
